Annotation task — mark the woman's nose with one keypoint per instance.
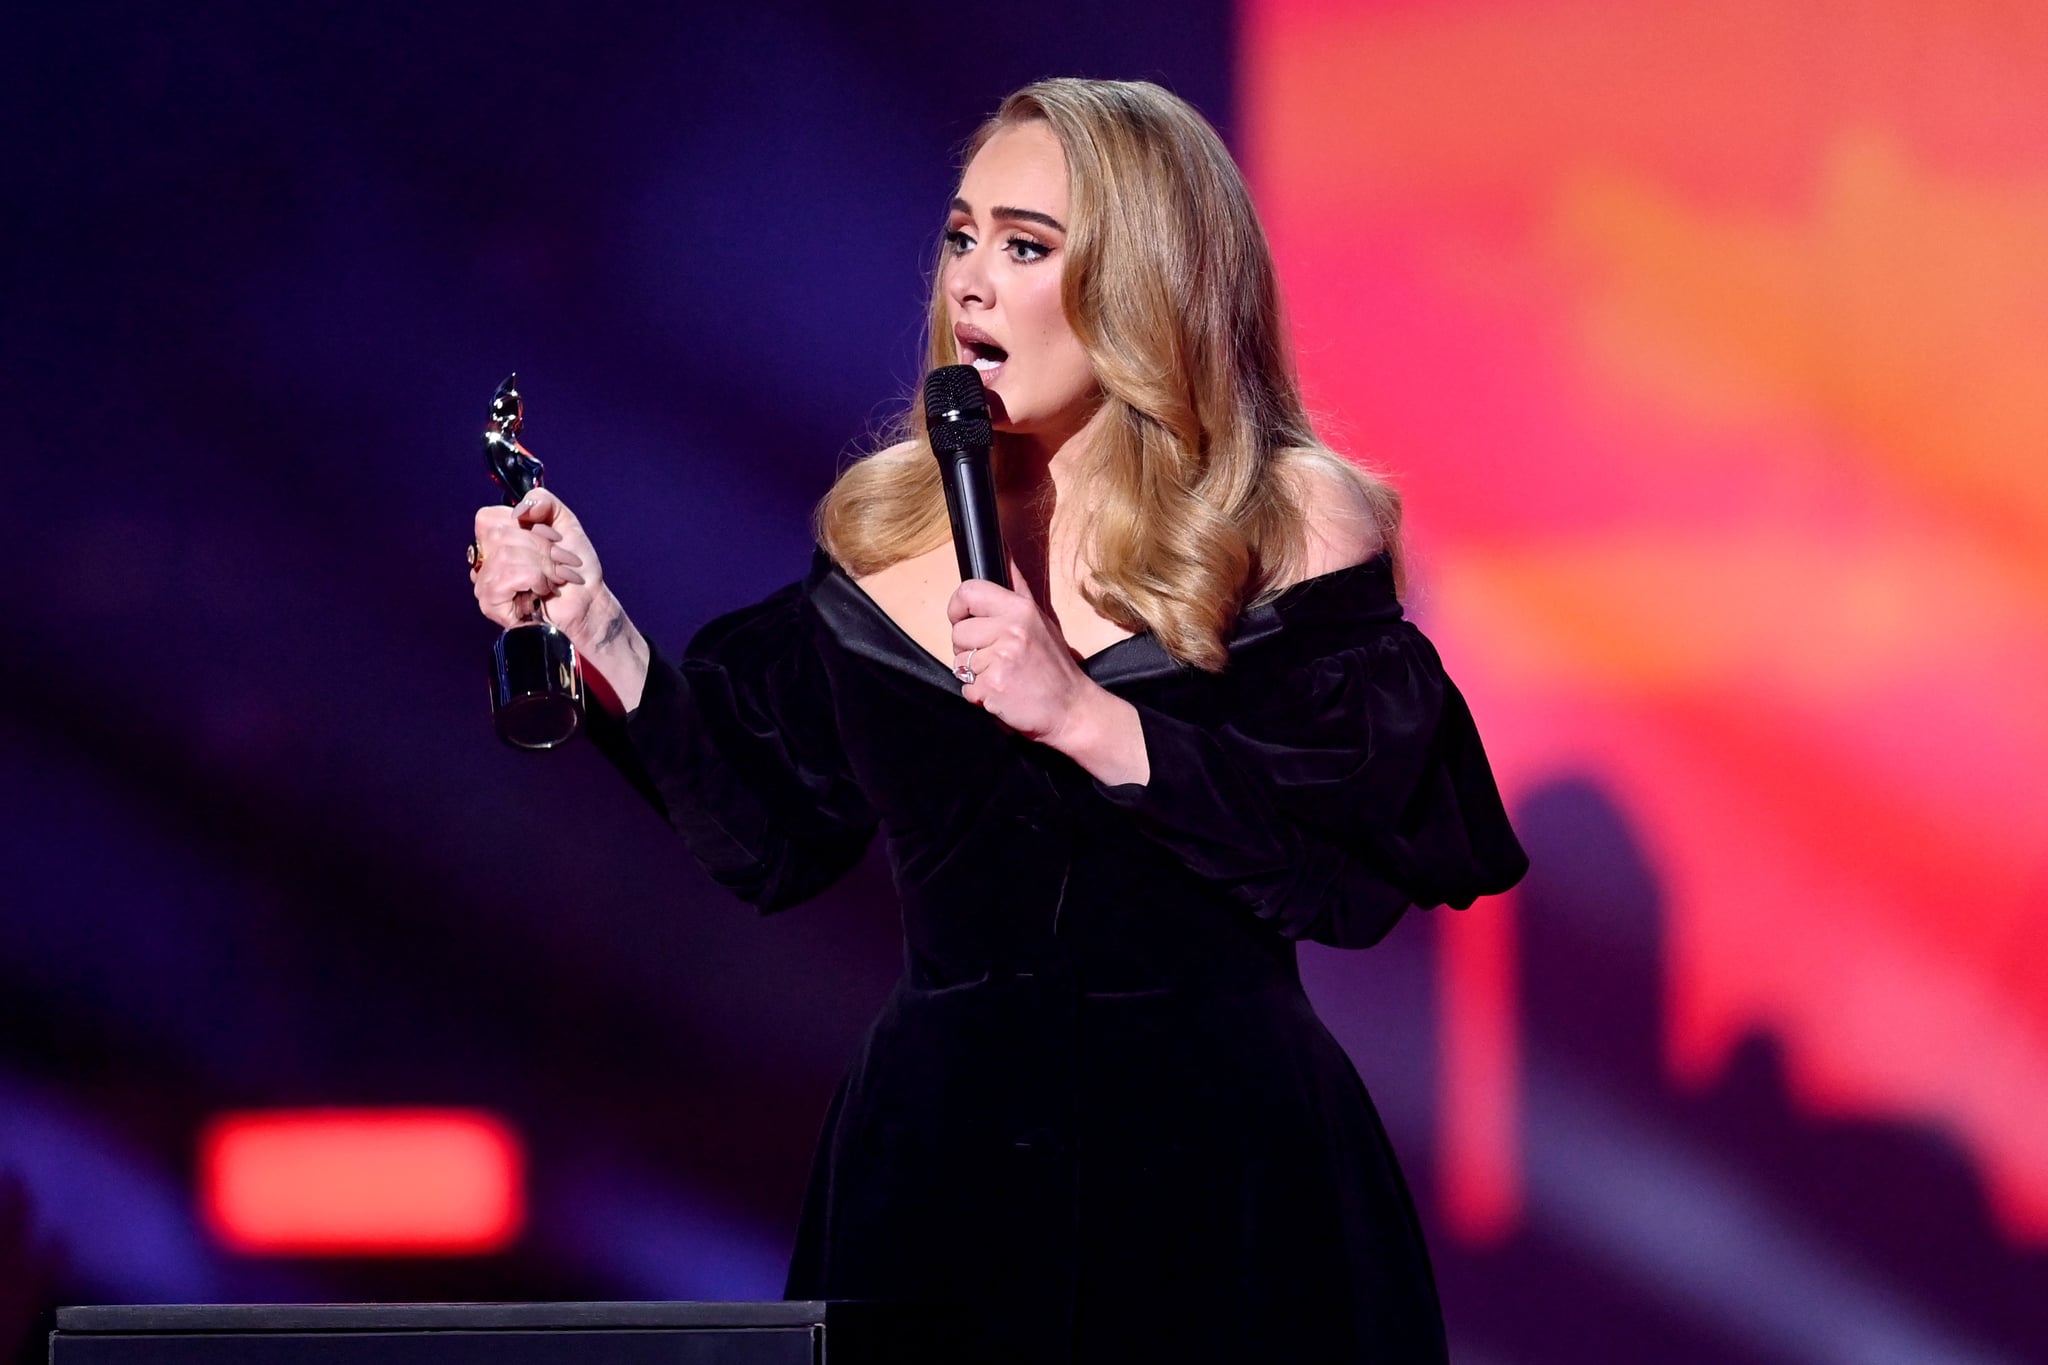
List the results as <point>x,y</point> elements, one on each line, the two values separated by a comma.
<point>967,279</point>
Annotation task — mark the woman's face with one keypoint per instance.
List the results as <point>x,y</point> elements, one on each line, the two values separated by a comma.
<point>1006,241</point>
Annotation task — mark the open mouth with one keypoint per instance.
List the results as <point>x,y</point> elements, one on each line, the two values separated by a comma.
<point>986,356</point>
<point>978,348</point>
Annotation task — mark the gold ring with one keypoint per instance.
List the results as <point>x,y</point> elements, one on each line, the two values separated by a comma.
<point>475,556</point>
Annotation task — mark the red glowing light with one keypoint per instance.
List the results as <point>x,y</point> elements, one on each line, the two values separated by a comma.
<point>1480,1133</point>
<point>362,1182</point>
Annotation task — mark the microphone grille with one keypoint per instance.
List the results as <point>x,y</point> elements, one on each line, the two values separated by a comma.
<point>956,409</point>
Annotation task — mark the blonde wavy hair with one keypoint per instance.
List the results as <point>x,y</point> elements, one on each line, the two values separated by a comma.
<point>1200,467</point>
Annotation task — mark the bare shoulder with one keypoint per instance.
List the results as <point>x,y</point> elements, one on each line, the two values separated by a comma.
<point>1340,524</point>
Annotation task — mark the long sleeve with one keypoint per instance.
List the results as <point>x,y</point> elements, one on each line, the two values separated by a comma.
<point>739,748</point>
<point>1353,788</point>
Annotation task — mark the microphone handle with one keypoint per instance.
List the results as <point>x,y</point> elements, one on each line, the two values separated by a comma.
<point>971,504</point>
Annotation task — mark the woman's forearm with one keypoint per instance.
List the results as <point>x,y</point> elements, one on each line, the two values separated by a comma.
<point>1103,735</point>
<point>615,656</point>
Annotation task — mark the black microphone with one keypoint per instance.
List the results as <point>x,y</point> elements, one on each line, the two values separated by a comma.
<point>956,416</point>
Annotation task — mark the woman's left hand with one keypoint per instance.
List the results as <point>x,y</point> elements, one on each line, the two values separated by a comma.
<point>1023,674</point>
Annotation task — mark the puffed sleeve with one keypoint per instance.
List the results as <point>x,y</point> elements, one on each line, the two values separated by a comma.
<point>1353,789</point>
<point>740,750</point>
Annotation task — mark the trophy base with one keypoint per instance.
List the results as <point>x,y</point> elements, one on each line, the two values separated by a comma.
<point>536,687</point>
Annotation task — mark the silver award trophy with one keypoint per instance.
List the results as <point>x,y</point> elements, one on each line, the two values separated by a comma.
<point>536,681</point>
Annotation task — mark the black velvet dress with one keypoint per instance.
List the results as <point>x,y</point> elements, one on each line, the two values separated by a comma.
<point>1098,1113</point>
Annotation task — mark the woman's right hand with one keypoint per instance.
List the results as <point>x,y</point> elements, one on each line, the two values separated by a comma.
<point>538,551</point>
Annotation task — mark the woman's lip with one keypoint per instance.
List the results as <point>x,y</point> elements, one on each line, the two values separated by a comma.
<point>964,333</point>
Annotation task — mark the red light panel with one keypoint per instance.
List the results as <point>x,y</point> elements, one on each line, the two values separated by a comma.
<point>362,1182</point>
<point>1480,1112</point>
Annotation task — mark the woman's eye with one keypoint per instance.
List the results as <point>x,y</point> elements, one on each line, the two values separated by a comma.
<point>957,241</point>
<point>1026,250</point>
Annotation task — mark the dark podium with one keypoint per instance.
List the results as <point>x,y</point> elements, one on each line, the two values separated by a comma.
<point>794,1332</point>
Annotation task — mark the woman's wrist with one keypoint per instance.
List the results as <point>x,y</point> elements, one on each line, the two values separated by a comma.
<point>615,655</point>
<point>1103,734</point>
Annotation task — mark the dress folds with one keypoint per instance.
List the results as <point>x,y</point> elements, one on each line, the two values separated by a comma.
<point>1098,1115</point>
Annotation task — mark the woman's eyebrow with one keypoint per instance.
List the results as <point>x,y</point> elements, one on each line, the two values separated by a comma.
<point>999,212</point>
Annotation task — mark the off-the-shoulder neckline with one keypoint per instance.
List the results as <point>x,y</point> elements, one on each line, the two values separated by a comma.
<point>1135,657</point>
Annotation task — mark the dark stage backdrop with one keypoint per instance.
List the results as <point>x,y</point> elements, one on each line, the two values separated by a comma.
<point>264,266</point>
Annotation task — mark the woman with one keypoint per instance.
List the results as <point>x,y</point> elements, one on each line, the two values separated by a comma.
<point>1098,1112</point>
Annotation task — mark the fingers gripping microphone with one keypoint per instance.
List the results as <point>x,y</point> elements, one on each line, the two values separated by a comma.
<point>956,415</point>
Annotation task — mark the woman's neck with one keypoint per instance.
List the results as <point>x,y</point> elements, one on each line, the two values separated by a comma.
<point>1033,480</point>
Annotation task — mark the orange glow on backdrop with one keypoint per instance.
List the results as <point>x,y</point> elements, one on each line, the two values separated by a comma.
<point>362,1182</point>
<point>1710,344</point>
